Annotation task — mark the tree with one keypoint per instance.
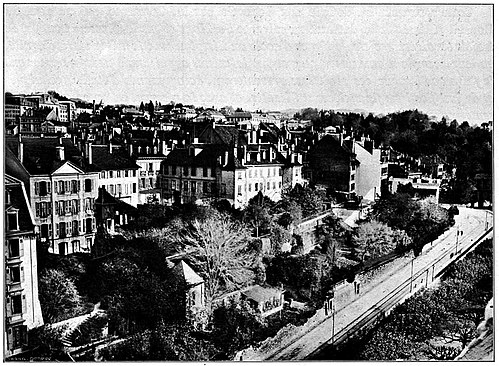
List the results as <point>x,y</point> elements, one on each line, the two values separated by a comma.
<point>58,296</point>
<point>142,108</point>
<point>236,326</point>
<point>375,239</point>
<point>258,217</point>
<point>150,108</point>
<point>308,199</point>
<point>47,342</point>
<point>219,250</point>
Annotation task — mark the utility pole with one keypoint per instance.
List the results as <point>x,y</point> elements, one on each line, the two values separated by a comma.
<point>486,220</point>
<point>412,271</point>
<point>457,238</point>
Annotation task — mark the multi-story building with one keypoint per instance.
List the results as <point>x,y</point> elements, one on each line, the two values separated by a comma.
<point>22,307</point>
<point>118,172</point>
<point>347,167</point>
<point>70,110</point>
<point>62,190</point>
<point>15,107</point>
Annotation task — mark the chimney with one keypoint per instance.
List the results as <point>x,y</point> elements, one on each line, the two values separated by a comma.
<point>93,106</point>
<point>110,147</point>
<point>226,158</point>
<point>20,150</point>
<point>130,149</point>
<point>60,153</point>
<point>88,149</point>
<point>292,158</point>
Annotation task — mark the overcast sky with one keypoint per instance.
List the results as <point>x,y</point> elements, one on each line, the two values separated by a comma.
<point>379,58</point>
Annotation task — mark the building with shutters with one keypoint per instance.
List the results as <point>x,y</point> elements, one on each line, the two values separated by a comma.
<point>61,189</point>
<point>22,307</point>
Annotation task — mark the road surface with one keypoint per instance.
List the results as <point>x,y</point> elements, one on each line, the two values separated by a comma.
<point>302,341</point>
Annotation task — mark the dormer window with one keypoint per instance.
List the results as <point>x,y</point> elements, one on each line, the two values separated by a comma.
<point>12,220</point>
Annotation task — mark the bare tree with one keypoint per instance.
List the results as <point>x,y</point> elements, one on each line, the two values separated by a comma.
<point>220,251</point>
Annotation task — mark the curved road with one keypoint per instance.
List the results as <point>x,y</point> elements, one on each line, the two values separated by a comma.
<point>470,221</point>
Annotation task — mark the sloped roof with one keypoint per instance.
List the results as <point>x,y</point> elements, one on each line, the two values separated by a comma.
<point>39,154</point>
<point>104,160</point>
<point>207,157</point>
<point>106,198</point>
<point>19,201</point>
<point>183,273</point>
<point>259,294</point>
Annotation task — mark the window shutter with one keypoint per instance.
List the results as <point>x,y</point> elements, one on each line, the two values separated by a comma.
<point>37,209</point>
<point>21,247</point>
<point>8,307</point>
<point>48,187</point>
<point>22,274</point>
<point>24,304</point>
<point>10,338</point>
<point>37,188</point>
<point>79,186</point>
<point>56,230</point>
<point>83,225</point>
<point>68,229</point>
<point>50,230</point>
<point>7,276</point>
<point>93,224</point>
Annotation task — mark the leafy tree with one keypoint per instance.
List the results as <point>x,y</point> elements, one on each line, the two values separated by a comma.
<point>142,108</point>
<point>236,326</point>
<point>310,200</point>
<point>386,345</point>
<point>258,217</point>
<point>219,250</point>
<point>58,296</point>
<point>374,239</point>
<point>46,342</point>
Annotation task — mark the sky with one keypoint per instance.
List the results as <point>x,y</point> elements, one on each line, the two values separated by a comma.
<point>378,58</point>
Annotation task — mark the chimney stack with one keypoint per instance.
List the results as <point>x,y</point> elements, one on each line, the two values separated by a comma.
<point>130,149</point>
<point>20,150</point>
<point>88,149</point>
<point>60,153</point>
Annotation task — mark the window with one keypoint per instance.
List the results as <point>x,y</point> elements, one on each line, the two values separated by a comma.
<point>7,197</point>
<point>111,189</point>
<point>193,171</point>
<point>126,173</point>
<point>75,228</point>
<point>150,167</point>
<point>15,274</point>
<point>205,171</point>
<point>88,225</point>
<point>142,182</point>
<point>213,172</point>
<point>174,184</point>
<point>44,188</point>
<point>111,174</point>
<point>151,184</point>
<point>19,336</point>
<point>249,187</point>
<point>280,184</point>
<point>205,187</point>
<point>268,185</point>
<point>103,175</point>
<point>61,187</point>
<point>193,188</point>
<point>174,170</point>
<point>62,229</point>
<point>14,248</point>
<point>88,185</point>
<point>223,188</point>
<point>76,246</point>
<point>119,190</point>
<point>250,173</point>
<point>12,222</point>
<point>186,186</point>
<point>273,185</point>
<point>17,304</point>
<point>239,175</point>
<point>352,186</point>
<point>280,172</point>
<point>67,186</point>
<point>352,177</point>
<point>256,187</point>
<point>239,190</point>
<point>261,186</point>
<point>186,170</point>
<point>134,187</point>
<point>134,173</point>
<point>74,186</point>
<point>118,174</point>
